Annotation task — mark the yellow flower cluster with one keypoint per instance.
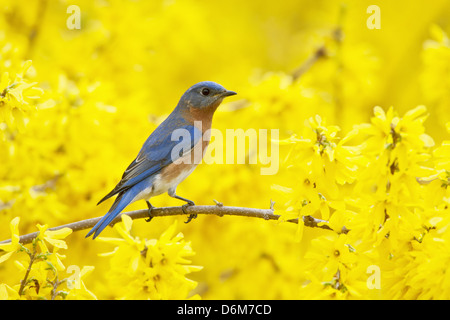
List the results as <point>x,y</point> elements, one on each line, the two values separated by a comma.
<point>13,95</point>
<point>388,204</point>
<point>78,101</point>
<point>151,269</point>
<point>42,268</point>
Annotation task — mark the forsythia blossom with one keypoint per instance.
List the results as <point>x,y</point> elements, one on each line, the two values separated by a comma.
<point>41,267</point>
<point>149,269</point>
<point>14,95</point>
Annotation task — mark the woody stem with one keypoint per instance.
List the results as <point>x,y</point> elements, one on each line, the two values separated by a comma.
<point>267,214</point>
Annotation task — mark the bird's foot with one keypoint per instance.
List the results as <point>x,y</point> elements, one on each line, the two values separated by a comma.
<point>192,215</point>
<point>150,209</point>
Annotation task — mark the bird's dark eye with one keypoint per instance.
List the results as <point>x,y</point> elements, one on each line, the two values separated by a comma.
<point>205,91</point>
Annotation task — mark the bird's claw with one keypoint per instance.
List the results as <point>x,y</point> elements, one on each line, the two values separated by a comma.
<point>192,215</point>
<point>150,208</point>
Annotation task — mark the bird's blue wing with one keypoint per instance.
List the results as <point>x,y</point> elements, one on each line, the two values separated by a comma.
<point>156,153</point>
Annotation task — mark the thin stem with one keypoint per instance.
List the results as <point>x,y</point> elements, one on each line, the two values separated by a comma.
<point>219,210</point>
<point>25,279</point>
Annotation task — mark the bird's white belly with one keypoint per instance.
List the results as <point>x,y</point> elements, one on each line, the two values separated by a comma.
<point>162,185</point>
<point>159,185</point>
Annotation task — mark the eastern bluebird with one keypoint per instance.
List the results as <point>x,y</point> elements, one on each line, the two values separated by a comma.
<point>157,169</point>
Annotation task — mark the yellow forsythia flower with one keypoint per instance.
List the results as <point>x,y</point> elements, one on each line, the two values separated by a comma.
<point>149,269</point>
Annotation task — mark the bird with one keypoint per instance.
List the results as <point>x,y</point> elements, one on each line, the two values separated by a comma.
<point>164,162</point>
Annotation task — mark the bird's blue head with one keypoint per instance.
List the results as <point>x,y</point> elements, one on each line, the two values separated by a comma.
<point>204,95</point>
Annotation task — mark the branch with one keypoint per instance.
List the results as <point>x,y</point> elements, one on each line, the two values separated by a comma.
<point>218,209</point>
<point>296,73</point>
<point>319,53</point>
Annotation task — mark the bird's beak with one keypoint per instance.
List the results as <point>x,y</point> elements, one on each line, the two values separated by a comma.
<point>228,93</point>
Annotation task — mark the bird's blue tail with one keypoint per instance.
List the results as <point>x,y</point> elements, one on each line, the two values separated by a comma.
<point>119,204</point>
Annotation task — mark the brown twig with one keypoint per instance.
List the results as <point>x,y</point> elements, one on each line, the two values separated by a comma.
<point>319,53</point>
<point>23,282</point>
<point>266,214</point>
